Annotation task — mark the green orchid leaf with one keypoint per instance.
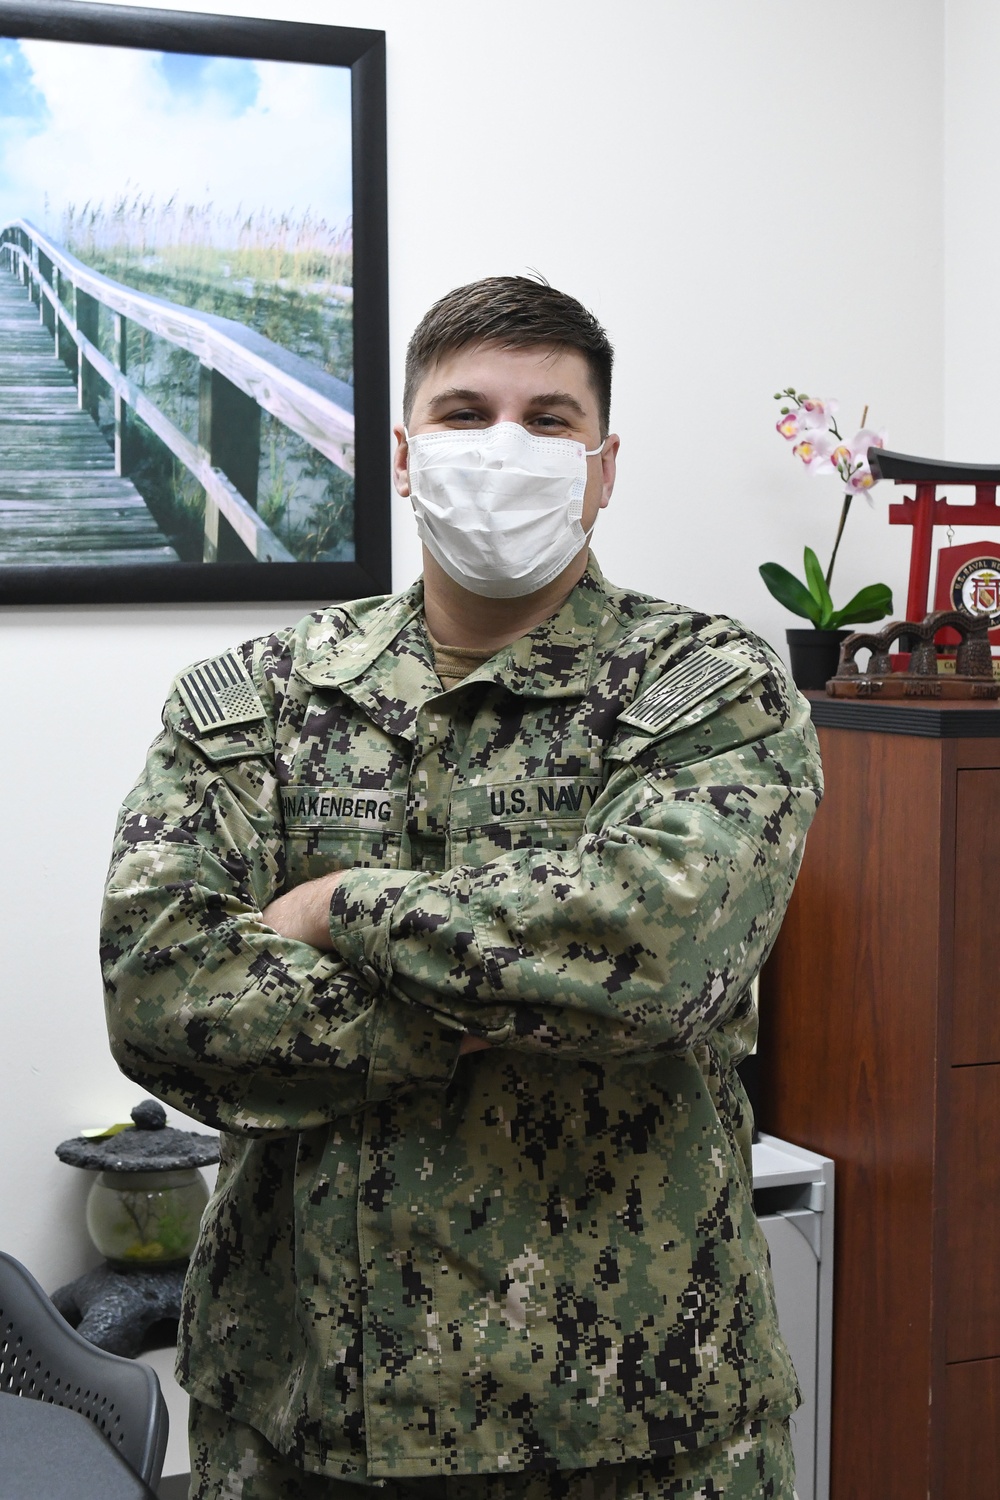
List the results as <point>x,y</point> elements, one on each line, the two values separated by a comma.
<point>789,591</point>
<point>871,603</point>
<point>818,588</point>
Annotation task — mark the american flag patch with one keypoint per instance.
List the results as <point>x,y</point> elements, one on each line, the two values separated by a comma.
<point>219,692</point>
<point>703,672</point>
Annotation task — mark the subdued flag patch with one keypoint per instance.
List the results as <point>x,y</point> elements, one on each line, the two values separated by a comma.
<point>702,672</point>
<point>219,692</point>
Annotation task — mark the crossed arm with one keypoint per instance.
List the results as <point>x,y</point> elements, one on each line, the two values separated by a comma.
<point>643,935</point>
<point>303,914</point>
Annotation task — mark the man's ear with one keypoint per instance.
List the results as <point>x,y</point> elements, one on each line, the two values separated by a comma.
<point>609,466</point>
<point>400,471</point>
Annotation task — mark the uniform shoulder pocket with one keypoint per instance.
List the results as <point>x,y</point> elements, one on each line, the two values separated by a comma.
<point>709,701</point>
<point>216,706</point>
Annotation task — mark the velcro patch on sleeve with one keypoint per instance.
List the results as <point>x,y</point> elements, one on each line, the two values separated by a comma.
<point>703,672</point>
<point>219,692</point>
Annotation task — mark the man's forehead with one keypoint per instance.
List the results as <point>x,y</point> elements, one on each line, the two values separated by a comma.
<point>537,371</point>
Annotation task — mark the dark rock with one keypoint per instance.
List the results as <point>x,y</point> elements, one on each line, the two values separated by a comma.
<point>116,1309</point>
<point>149,1114</point>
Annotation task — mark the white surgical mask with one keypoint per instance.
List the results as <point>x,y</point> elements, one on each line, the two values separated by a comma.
<point>499,509</point>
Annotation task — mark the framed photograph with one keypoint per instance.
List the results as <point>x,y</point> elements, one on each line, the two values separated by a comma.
<point>193,307</point>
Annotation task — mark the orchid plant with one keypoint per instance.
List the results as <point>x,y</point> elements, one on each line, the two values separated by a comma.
<point>811,424</point>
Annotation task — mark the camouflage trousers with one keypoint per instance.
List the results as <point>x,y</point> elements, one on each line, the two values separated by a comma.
<point>230,1461</point>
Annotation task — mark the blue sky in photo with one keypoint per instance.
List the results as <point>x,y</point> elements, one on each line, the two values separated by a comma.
<point>19,98</point>
<point>188,76</point>
<point>98,125</point>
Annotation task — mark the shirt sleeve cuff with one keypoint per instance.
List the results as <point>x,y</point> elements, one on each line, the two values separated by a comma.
<point>411,1045</point>
<point>361,912</point>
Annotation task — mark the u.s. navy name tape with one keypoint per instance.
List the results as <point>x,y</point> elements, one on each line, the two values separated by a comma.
<point>544,799</point>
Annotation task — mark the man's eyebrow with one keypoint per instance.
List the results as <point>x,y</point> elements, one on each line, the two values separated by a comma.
<point>457,393</point>
<point>558,398</point>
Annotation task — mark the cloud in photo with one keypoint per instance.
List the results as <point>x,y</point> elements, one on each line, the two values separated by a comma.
<point>95,124</point>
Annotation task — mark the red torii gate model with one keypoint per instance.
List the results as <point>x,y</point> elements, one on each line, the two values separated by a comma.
<point>926,511</point>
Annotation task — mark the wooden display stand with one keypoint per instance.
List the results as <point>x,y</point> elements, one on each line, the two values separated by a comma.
<point>880,1047</point>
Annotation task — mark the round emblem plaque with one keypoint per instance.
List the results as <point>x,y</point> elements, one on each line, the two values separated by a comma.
<point>975,588</point>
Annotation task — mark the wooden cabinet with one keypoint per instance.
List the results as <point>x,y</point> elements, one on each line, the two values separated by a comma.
<point>880,1047</point>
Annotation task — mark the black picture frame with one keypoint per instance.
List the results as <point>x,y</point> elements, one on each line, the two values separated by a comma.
<point>363,51</point>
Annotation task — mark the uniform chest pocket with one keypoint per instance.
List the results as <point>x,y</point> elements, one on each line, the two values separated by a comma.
<point>338,828</point>
<point>496,818</point>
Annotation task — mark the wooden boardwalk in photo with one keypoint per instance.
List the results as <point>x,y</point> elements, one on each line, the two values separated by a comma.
<point>60,499</point>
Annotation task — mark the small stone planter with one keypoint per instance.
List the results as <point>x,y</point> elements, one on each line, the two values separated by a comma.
<point>143,1214</point>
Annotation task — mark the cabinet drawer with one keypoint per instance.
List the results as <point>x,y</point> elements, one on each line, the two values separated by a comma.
<point>971,1437</point>
<point>975,1021</point>
<point>971,1271</point>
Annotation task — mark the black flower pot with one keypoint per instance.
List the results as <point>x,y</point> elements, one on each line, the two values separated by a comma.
<point>814,655</point>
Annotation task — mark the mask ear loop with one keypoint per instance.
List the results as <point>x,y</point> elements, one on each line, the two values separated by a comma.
<point>592,453</point>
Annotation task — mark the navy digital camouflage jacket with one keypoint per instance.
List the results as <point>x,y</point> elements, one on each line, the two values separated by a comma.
<point>539,1255</point>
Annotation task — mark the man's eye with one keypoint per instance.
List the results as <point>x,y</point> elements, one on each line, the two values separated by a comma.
<point>545,419</point>
<point>465,418</point>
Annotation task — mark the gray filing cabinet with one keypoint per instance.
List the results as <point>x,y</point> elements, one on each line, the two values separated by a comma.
<point>793,1195</point>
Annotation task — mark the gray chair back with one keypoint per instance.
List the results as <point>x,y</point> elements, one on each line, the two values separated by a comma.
<point>43,1358</point>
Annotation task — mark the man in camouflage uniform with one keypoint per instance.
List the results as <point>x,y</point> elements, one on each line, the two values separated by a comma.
<point>444,909</point>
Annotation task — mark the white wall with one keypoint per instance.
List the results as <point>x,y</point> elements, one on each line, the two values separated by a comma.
<point>972,233</point>
<point>747,195</point>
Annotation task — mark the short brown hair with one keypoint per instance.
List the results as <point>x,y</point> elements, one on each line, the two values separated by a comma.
<point>514,312</point>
